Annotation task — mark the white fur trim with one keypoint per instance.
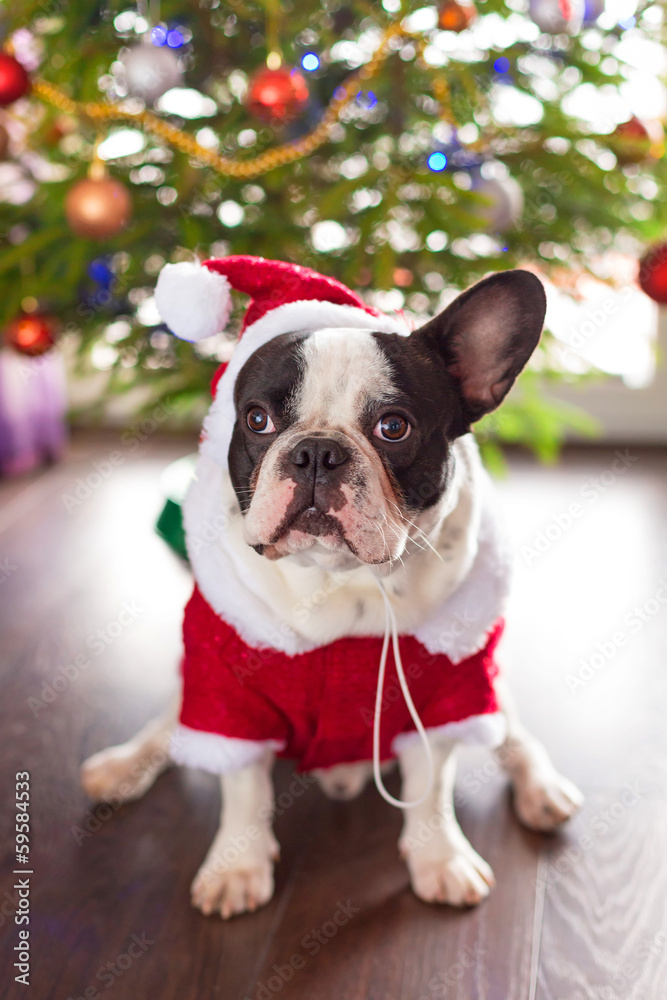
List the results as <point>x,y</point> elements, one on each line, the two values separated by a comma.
<point>193,301</point>
<point>218,754</point>
<point>292,317</point>
<point>243,587</point>
<point>460,627</point>
<point>230,575</point>
<point>477,730</point>
<point>221,754</point>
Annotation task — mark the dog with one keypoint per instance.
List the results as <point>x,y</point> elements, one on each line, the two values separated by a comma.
<point>347,511</point>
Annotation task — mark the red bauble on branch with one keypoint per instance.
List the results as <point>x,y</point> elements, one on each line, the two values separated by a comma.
<point>455,16</point>
<point>14,81</point>
<point>277,95</point>
<point>631,142</point>
<point>653,274</point>
<point>31,333</point>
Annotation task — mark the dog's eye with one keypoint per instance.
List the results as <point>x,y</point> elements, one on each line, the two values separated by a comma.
<point>259,421</point>
<point>392,427</point>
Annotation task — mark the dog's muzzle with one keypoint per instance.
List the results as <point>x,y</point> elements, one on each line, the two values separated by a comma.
<point>318,462</point>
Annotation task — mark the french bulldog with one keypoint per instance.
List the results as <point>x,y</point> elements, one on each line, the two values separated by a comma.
<point>339,467</point>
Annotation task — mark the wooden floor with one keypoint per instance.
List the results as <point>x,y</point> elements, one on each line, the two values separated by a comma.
<point>579,915</point>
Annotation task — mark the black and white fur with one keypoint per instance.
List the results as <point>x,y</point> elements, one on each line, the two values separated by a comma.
<point>320,498</point>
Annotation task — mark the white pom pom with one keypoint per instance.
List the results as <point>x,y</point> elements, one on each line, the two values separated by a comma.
<point>193,301</point>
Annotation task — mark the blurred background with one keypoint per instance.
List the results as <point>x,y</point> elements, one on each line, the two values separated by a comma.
<point>406,150</point>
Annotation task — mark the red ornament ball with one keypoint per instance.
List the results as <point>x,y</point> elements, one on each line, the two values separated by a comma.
<point>14,81</point>
<point>31,333</point>
<point>455,16</point>
<point>653,274</point>
<point>631,142</point>
<point>98,208</point>
<point>277,95</point>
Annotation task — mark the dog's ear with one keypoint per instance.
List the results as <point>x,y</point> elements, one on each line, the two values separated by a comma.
<point>486,336</point>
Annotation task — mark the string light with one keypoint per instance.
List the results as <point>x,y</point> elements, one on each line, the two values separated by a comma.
<point>310,62</point>
<point>437,162</point>
<point>367,99</point>
<point>159,35</point>
<point>175,39</point>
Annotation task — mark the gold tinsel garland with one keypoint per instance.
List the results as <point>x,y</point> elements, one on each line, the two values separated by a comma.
<point>229,166</point>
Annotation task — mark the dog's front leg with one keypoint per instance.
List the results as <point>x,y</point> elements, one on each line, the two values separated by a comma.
<point>443,866</point>
<point>237,874</point>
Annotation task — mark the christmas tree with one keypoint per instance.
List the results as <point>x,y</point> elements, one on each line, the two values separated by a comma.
<point>406,151</point>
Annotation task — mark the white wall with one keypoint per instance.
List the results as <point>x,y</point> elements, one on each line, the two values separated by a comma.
<point>638,415</point>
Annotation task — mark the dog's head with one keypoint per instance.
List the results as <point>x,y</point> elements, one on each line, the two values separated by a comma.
<point>343,437</point>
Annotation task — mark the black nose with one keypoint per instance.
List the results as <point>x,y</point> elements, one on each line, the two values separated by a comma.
<point>317,454</point>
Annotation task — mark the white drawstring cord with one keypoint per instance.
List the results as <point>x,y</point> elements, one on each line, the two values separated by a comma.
<point>391,626</point>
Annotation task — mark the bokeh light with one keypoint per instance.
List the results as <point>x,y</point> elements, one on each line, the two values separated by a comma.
<point>158,34</point>
<point>310,62</point>
<point>437,161</point>
<point>175,39</point>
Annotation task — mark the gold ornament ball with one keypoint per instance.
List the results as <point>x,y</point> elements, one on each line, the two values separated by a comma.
<point>97,209</point>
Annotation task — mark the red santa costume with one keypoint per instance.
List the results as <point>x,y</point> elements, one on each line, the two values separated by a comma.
<point>249,679</point>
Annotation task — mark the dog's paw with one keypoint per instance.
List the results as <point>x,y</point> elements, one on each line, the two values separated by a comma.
<point>235,890</point>
<point>459,877</point>
<point>544,802</point>
<point>235,878</point>
<point>119,774</point>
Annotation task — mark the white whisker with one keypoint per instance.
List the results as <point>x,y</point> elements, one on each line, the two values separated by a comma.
<point>422,534</point>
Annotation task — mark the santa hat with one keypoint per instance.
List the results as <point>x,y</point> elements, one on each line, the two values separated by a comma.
<point>194,301</point>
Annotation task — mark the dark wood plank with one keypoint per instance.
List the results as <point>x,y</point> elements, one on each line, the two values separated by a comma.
<point>389,944</point>
<point>131,876</point>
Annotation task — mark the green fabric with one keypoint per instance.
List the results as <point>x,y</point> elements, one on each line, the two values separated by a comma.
<point>170,527</point>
